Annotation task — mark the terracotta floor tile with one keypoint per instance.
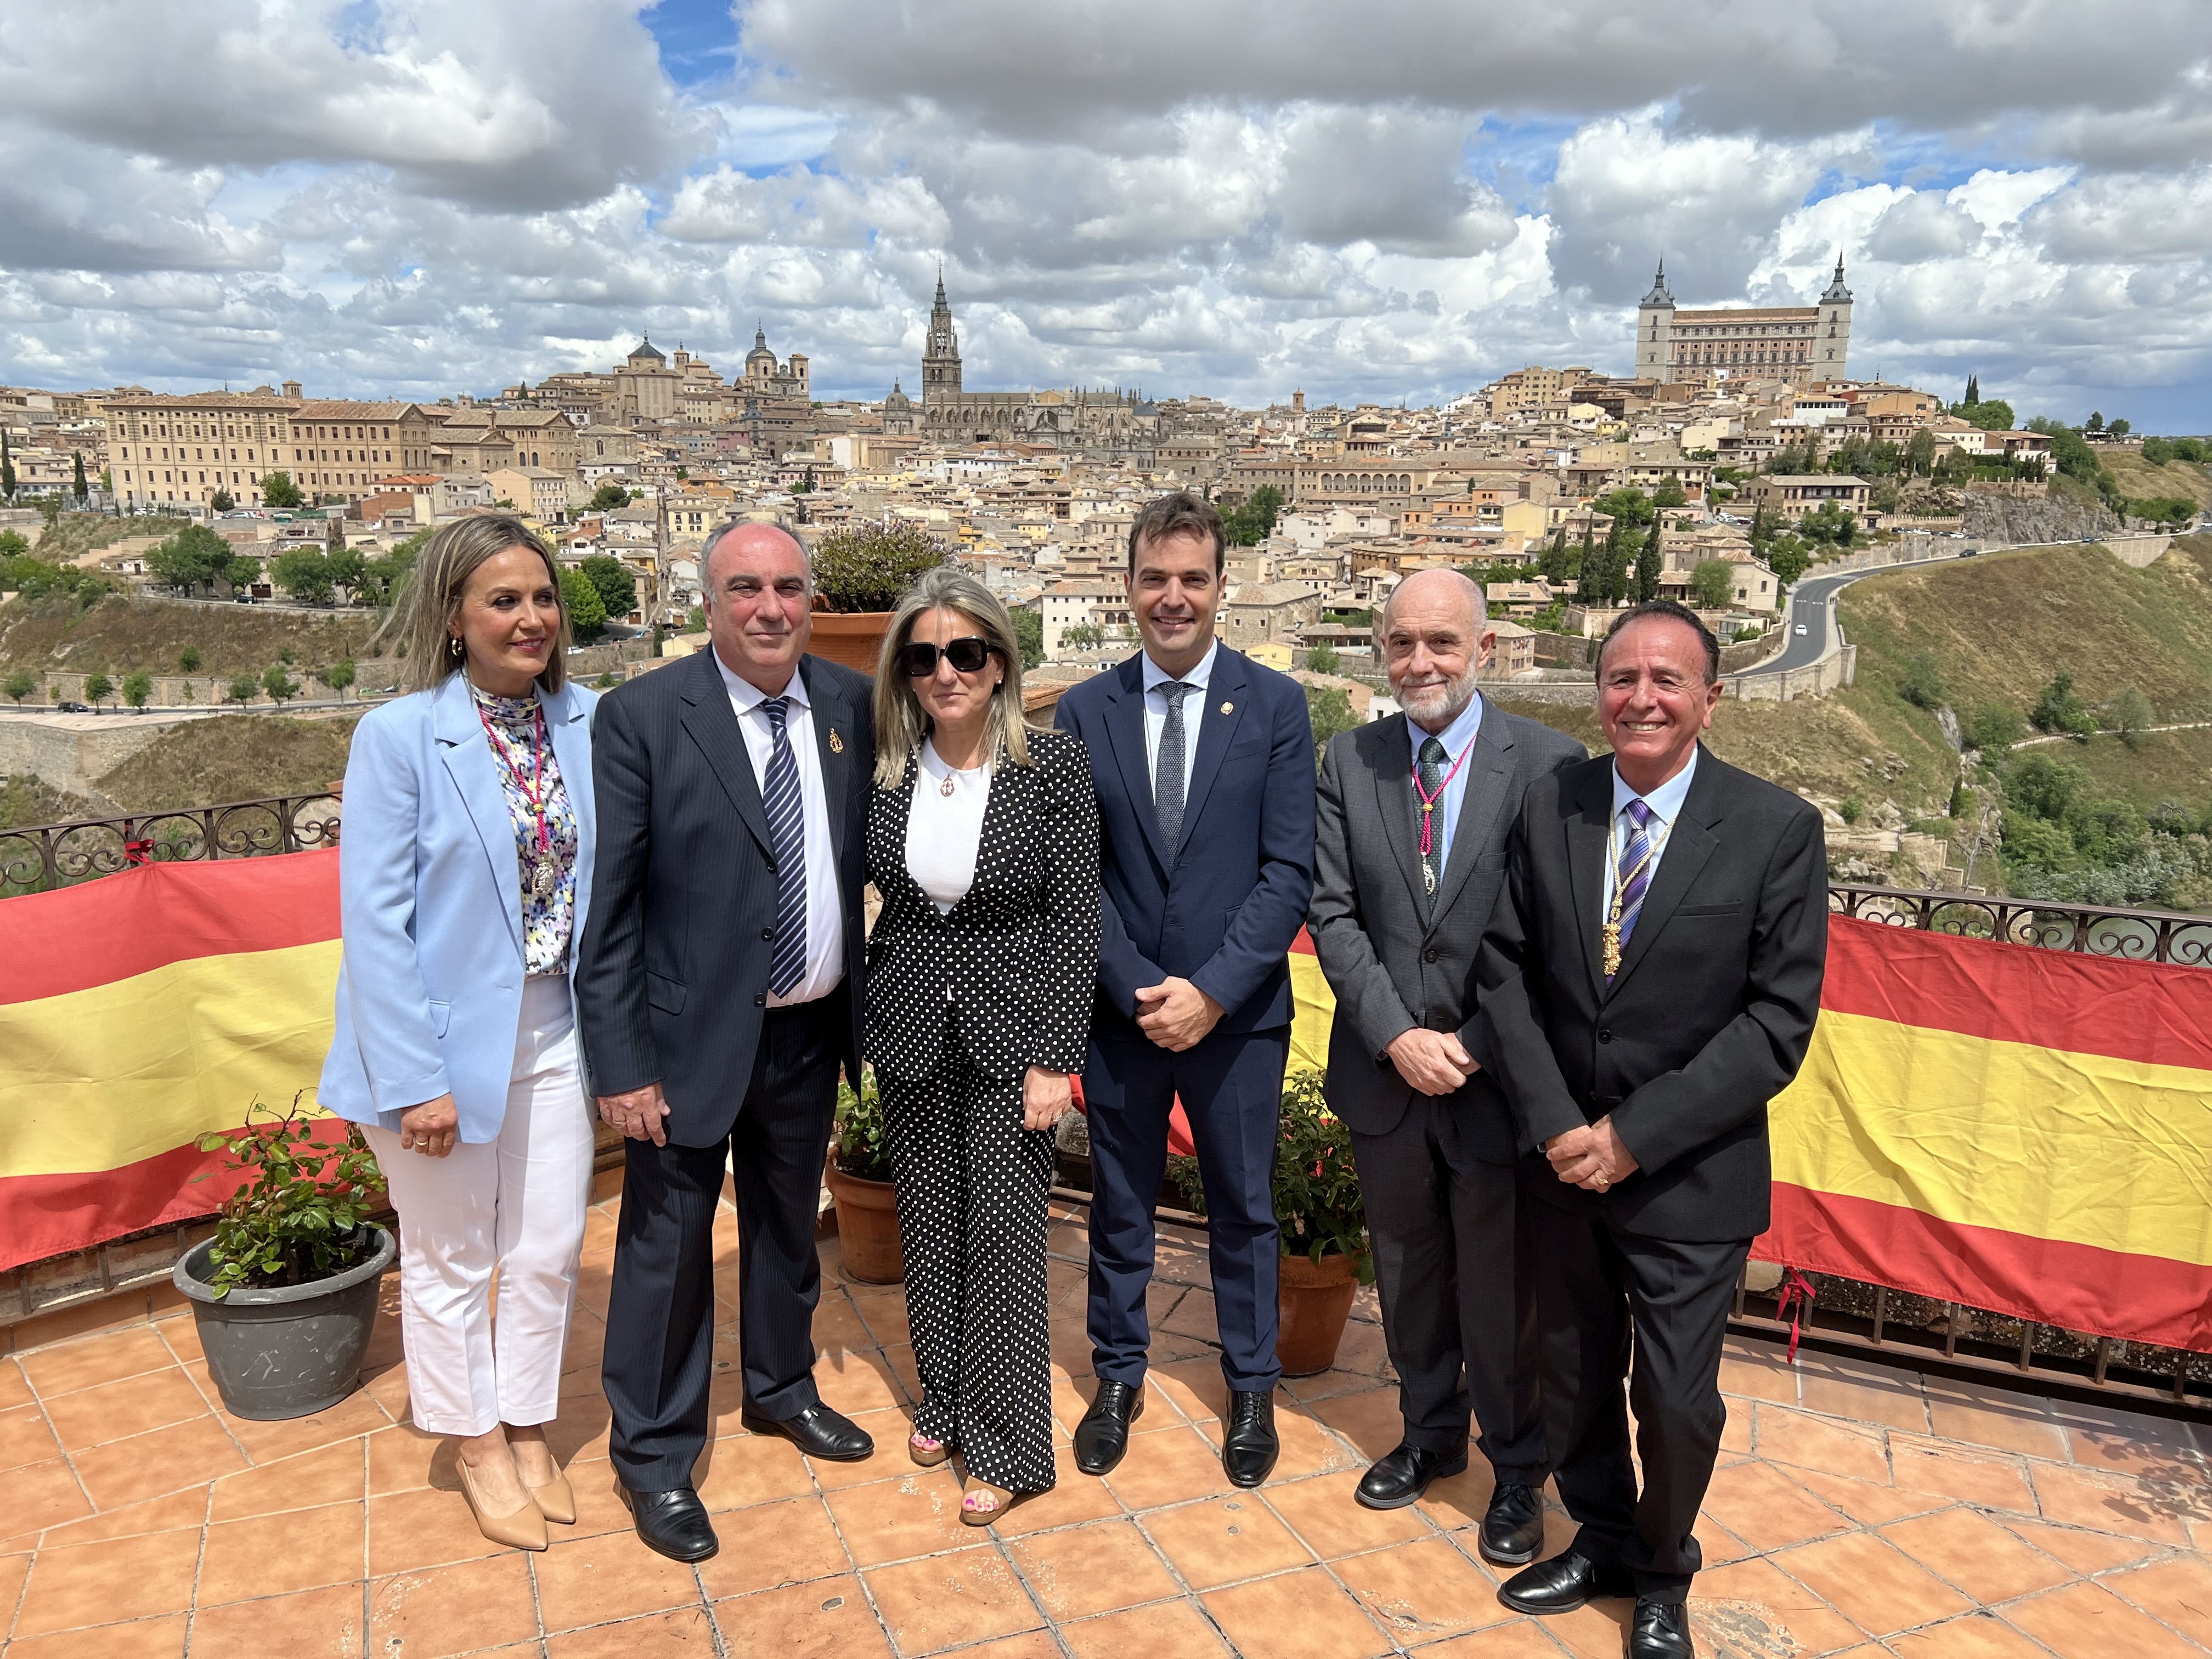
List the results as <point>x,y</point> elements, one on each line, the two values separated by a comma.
<point>14,1386</point>
<point>949,1601</point>
<point>2084,1551</point>
<point>893,1520</point>
<point>1075,1498</point>
<point>1976,1635</point>
<point>143,1638</point>
<point>1765,1509</point>
<point>1994,1417</point>
<point>1757,1372</point>
<point>399,1459</point>
<point>333,1475</point>
<point>1363,1349</point>
<point>2128,1505</point>
<point>1462,1500</point>
<point>271,1555</point>
<point>1961,1474</point>
<point>1370,1419</point>
<point>1224,1540</point>
<point>1736,1431</point>
<point>42,1495</point>
<point>316,1624</point>
<point>772,1545</point>
<point>103,1583</point>
<point>475,1604</point>
<point>1867,1502</point>
<point>580,1437</point>
<point>1327,1385</point>
<point>14,1569</point>
<point>1166,1630</point>
<point>1877,1587</point>
<point>116,1411</point>
<point>1809,1442</point>
<point>2178,1590</point>
<point>688,1633</point>
<point>1424,1591</point>
<point>181,1509</point>
<point>414,1531</point>
<point>1324,1512</point>
<point>741,1468</point>
<point>1197,1385</point>
<point>1753,1608</point>
<point>108,1313</point>
<point>357,1415</point>
<point>1300,1615</point>
<point>854,1383</point>
<point>1968,1549</point>
<point>25,1437</point>
<point>1033,1645</point>
<point>1169,1466</point>
<point>1524,1638</point>
<point>827,1619</point>
<point>2122,1441</point>
<point>187,1454</point>
<point>838,1324</point>
<point>93,1360</point>
<point>1716,1545</point>
<point>1864,1392</point>
<point>1100,1568</point>
<point>2087,1621</point>
<point>589,1581</point>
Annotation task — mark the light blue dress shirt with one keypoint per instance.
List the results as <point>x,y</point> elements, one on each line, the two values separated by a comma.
<point>1457,739</point>
<point>1193,714</point>
<point>1666,805</point>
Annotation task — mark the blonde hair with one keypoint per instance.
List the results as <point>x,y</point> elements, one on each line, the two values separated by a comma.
<point>429,602</point>
<point>900,725</point>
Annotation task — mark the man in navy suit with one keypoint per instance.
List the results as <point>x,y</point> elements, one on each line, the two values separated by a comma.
<point>1203,762</point>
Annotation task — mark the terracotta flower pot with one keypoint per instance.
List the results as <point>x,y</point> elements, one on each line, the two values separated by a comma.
<point>851,639</point>
<point>867,1228</point>
<point>1314,1301</point>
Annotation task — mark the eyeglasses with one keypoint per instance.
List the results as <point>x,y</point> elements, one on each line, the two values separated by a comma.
<point>967,655</point>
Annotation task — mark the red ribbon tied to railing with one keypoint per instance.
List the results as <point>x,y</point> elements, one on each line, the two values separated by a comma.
<point>138,852</point>
<point>1793,1303</point>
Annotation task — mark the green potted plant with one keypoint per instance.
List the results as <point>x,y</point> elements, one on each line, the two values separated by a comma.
<point>860,572</point>
<point>1324,1225</point>
<point>284,1293</point>
<point>860,1178</point>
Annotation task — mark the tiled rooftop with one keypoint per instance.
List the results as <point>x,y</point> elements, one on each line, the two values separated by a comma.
<point>1857,1510</point>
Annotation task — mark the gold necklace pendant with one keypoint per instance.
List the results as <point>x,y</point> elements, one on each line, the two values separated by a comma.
<point>1611,936</point>
<point>945,788</point>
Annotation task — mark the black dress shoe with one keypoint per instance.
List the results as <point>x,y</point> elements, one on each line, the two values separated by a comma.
<point>1513,1526</point>
<point>1402,1476</point>
<point>1661,1631</point>
<point>1564,1583</point>
<point>1103,1434</point>
<point>818,1431</point>
<point>1249,1445</point>
<point>671,1523</point>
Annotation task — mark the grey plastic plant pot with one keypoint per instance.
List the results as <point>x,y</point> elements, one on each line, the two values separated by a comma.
<point>291,1350</point>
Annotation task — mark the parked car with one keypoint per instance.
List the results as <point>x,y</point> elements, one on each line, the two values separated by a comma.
<point>76,709</point>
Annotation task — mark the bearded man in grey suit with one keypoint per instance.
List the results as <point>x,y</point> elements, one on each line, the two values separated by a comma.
<point>1414,815</point>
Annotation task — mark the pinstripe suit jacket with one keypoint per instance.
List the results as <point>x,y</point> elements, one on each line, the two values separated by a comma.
<point>673,980</point>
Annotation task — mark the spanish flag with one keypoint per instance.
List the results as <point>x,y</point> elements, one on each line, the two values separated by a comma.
<point>2020,1130</point>
<point>139,1012</point>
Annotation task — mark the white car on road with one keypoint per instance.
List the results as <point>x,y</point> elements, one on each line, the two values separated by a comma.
<point>1799,629</point>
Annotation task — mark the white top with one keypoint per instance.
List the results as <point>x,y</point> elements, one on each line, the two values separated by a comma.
<point>943,831</point>
<point>825,909</point>
<point>1193,710</point>
<point>1666,805</point>
<point>1457,739</point>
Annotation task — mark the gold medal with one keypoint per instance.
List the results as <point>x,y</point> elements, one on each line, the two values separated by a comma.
<point>1611,935</point>
<point>837,743</point>
<point>541,879</point>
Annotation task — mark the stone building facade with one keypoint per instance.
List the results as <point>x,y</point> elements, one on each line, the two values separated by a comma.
<point>1796,344</point>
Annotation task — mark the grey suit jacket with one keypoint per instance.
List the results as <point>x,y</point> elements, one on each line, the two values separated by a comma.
<point>1393,961</point>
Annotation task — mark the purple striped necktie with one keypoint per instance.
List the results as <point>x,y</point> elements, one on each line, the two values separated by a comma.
<point>787,831</point>
<point>1632,876</point>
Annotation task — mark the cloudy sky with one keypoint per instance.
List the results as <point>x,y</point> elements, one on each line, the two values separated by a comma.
<point>1391,199</point>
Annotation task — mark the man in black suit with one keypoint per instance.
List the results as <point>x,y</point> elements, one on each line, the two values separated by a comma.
<point>1409,857</point>
<point>718,995</point>
<point>1648,983</point>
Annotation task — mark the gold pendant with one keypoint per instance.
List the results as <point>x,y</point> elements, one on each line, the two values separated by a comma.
<point>837,743</point>
<point>945,788</point>
<point>1429,876</point>
<point>1611,935</point>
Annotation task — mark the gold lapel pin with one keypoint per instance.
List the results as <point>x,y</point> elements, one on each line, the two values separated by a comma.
<point>1228,707</point>
<point>837,743</point>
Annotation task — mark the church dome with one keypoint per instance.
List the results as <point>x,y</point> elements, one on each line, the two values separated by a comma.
<point>648,352</point>
<point>898,399</point>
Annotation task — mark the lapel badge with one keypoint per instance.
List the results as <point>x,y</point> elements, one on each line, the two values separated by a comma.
<point>1228,707</point>
<point>837,743</point>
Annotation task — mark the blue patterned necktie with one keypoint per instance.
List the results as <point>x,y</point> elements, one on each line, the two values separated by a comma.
<point>1167,779</point>
<point>1631,877</point>
<point>787,831</point>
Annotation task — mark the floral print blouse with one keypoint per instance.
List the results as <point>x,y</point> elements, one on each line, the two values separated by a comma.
<point>519,741</point>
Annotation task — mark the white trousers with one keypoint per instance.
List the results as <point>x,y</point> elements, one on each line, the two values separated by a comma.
<point>514,1206</point>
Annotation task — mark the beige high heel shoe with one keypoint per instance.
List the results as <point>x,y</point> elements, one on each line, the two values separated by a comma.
<point>556,1500</point>
<point>525,1530</point>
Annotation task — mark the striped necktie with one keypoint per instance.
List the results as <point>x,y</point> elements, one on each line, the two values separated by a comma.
<point>1632,876</point>
<point>787,831</point>
<point>1167,778</point>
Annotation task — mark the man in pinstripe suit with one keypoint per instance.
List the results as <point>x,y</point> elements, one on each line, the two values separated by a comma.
<point>718,995</point>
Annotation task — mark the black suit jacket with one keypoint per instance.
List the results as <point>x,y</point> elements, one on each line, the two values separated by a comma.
<point>1394,963</point>
<point>673,977</point>
<point>1709,1017</point>
<point>1018,954</point>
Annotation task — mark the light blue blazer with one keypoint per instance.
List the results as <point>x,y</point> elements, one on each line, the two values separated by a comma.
<point>430,904</point>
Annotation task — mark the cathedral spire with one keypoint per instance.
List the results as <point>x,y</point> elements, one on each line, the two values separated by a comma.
<point>1659,297</point>
<point>940,284</point>
<point>1837,294</point>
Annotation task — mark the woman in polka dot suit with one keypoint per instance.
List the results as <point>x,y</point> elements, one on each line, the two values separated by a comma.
<point>983,840</point>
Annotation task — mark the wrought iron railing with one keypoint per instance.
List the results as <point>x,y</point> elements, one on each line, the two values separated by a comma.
<point>2089,929</point>
<point>48,855</point>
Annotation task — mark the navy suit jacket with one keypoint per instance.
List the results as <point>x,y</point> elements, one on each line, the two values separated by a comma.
<point>1223,913</point>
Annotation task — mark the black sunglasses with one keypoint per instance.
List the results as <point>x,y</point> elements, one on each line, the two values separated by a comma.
<point>967,655</point>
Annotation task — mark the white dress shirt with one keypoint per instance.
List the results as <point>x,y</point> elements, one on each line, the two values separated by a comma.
<point>1457,739</point>
<point>825,909</point>
<point>1666,805</point>
<point>1156,715</point>
<point>943,832</point>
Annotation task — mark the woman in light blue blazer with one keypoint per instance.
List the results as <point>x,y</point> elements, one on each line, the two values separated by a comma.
<point>465,875</point>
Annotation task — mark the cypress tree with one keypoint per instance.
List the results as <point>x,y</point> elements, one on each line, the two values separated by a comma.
<point>78,485</point>
<point>1650,564</point>
<point>7,469</point>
